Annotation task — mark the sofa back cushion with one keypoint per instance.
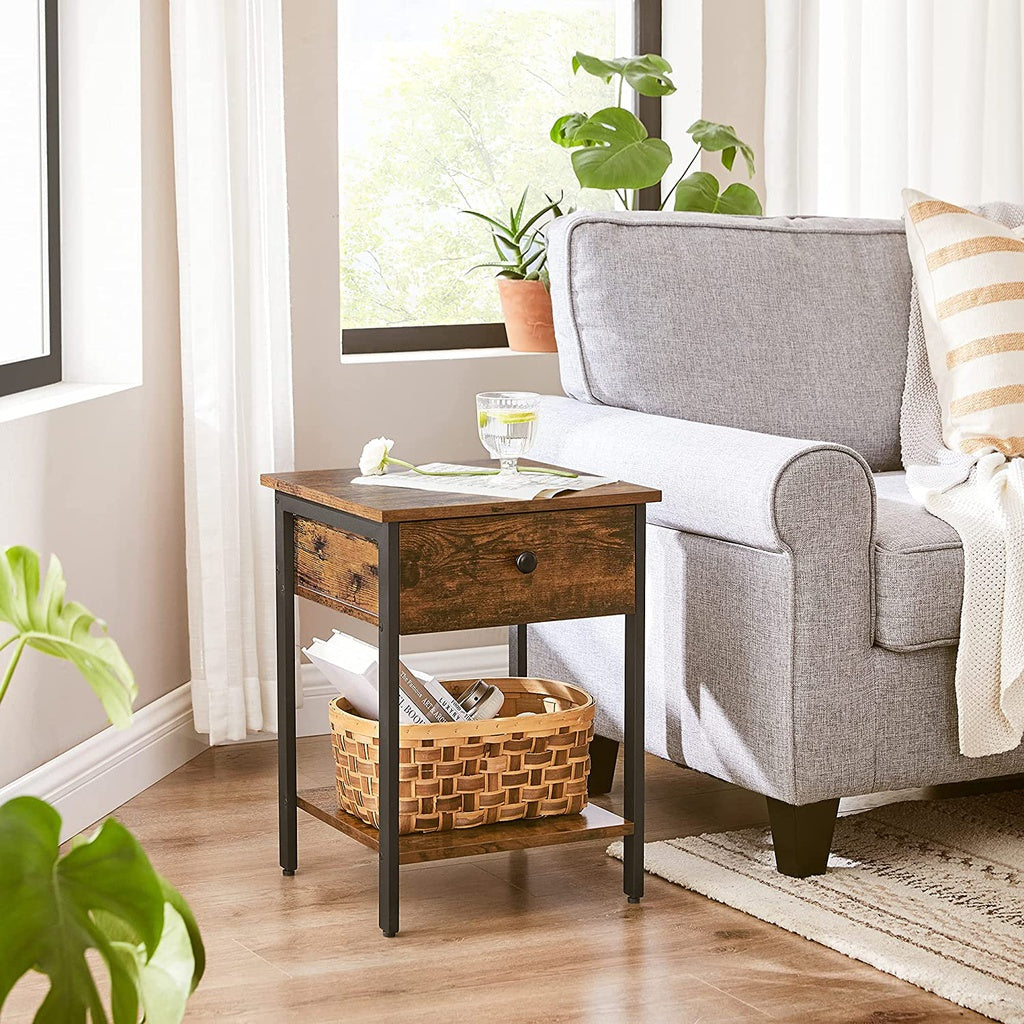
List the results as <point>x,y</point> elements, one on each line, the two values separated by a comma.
<point>789,326</point>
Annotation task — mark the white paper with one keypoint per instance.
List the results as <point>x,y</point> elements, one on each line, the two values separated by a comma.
<point>524,486</point>
<point>351,667</point>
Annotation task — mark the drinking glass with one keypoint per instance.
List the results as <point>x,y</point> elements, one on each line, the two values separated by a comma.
<point>507,422</point>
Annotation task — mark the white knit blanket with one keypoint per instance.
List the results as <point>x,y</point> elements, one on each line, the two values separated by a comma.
<point>982,497</point>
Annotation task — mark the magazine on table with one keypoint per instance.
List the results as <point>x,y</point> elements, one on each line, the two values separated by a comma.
<point>522,485</point>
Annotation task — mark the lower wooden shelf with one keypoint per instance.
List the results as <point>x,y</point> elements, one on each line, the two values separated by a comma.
<point>592,822</point>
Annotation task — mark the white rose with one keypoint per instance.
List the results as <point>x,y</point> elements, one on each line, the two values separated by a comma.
<point>375,456</point>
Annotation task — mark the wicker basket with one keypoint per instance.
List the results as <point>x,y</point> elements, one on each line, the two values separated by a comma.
<point>463,774</point>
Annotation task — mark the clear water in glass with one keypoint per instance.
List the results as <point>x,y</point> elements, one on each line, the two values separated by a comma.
<point>507,424</point>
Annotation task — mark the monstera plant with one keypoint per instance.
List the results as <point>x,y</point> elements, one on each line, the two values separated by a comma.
<point>612,150</point>
<point>104,894</point>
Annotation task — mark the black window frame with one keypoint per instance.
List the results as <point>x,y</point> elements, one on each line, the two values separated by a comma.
<point>647,38</point>
<point>27,374</point>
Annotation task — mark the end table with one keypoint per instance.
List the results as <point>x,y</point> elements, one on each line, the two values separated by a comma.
<point>411,561</point>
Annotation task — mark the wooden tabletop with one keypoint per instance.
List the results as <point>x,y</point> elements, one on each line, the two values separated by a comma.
<point>334,489</point>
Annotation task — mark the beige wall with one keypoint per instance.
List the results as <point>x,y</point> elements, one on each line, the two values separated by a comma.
<point>100,484</point>
<point>733,80</point>
<point>427,406</point>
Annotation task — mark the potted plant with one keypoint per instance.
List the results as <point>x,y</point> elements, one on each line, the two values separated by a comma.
<point>103,895</point>
<point>523,285</point>
<point>612,151</point>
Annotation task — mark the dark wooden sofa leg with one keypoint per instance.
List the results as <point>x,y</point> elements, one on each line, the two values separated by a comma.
<point>802,836</point>
<point>603,754</point>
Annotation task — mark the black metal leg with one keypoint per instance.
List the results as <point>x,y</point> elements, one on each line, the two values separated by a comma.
<point>287,825</point>
<point>517,650</point>
<point>633,760</point>
<point>388,603</point>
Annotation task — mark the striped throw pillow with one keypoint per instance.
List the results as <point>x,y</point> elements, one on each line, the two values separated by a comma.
<point>970,281</point>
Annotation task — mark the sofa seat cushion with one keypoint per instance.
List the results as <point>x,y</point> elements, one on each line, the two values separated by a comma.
<point>919,572</point>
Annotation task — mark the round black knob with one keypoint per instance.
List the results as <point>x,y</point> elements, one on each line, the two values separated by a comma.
<point>526,562</point>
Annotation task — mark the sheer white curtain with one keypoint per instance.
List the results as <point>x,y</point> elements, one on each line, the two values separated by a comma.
<point>229,163</point>
<point>865,97</point>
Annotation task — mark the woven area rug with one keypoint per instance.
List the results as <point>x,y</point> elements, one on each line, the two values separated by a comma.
<point>931,892</point>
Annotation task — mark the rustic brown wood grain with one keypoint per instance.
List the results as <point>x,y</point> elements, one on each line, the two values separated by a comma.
<point>336,569</point>
<point>333,488</point>
<point>592,822</point>
<point>461,573</point>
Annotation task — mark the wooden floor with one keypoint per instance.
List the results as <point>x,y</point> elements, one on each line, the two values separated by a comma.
<point>542,935</point>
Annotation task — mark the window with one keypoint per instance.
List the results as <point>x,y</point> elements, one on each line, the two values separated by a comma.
<point>29,196</point>
<point>446,106</point>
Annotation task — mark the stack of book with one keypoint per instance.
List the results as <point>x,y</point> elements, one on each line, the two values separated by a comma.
<point>351,666</point>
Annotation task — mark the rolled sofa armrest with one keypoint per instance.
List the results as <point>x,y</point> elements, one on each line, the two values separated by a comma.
<point>735,485</point>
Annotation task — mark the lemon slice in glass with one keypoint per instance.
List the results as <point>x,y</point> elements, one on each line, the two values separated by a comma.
<point>515,417</point>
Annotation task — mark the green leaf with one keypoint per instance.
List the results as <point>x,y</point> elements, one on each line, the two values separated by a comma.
<point>740,200</point>
<point>646,73</point>
<point>517,217</point>
<point>103,895</point>
<point>698,193</point>
<point>43,621</point>
<point>506,269</point>
<point>713,137</point>
<point>563,131</point>
<point>623,155</point>
<point>537,253</point>
<point>498,230</point>
<point>606,70</point>
<point>162,982</point>
<point>177,903</point>
<point>522,253</point>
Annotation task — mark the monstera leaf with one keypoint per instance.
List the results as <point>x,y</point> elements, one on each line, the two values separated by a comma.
<point>44,621</point>
<point>563,131</point>
<point>103,895</point>
<point>714,137</point>
<point>647,74</point>
<point>698,193</point>
<point>622,154</point>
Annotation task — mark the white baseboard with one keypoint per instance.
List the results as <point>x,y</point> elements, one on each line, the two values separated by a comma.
<point>88,781</point>
<point>311,719</point>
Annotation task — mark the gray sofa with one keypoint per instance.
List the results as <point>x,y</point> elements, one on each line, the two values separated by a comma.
<point>803,612</point>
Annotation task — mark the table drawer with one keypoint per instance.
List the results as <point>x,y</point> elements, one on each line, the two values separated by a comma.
<point>463,573</point>
<point>336,569</point>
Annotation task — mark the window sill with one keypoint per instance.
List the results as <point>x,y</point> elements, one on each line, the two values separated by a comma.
<point>447,354</point>
<point>54,396</point>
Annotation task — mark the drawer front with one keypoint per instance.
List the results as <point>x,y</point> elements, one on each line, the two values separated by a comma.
<point>336,569</point>
<point>462,573</point>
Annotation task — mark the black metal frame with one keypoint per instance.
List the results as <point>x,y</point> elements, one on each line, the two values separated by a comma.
<point>42,370</point>
<point>387,538</point>
<point>647,38</point>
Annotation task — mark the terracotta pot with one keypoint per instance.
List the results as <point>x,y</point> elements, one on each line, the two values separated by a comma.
<point>527,309</point>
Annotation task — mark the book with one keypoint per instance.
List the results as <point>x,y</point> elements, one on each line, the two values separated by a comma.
<point>426,693</point>
<point>351,666</point>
